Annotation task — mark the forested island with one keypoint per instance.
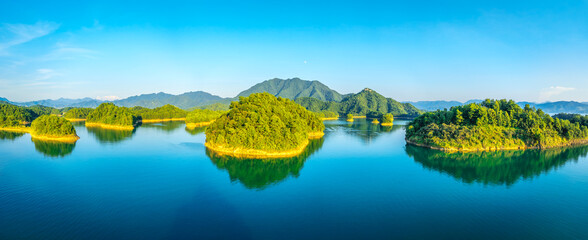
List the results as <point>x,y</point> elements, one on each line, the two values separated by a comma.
<point>77,114</point>
<point>201,117</point>
<point>164,113</point>
<point>387,119</point>
<point>263,126</point>
<point>494,125</point>
<point>53,128</point>
<point>108,115</point>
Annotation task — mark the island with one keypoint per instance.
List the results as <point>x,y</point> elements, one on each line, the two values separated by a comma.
<point>77,114</point>
<point>110,116</point>
<point>350,117</point>
<point>201,117</point>
<point>53,128</point>
<point>387,119</point>
<point>493,125</point>
<point>164,113</point>
<point>13,118</point>
<point>327,115</point>
<point>263,126</point>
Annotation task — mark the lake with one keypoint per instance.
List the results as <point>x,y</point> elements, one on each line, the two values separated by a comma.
<point>359,181</point>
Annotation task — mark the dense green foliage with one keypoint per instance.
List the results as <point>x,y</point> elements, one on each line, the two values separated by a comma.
<point>349,116</point>
<point>164,112</point>
<point>294,88</point>
<point>496,167</point>
<point>108,113</point>
<point>363,103</point>
<point>13,116</point>
<point>183,101</point>
<point>39,110</point>
<point>326,114</point>
<point>51,125</point>
<point>216,106</point>
<point>264,122</point>
<point>387,118</point>
<point>492,123</point>
<point>260,173</point>
<point>202,115</point>
<point>77,113</point>
<point>573,118</point>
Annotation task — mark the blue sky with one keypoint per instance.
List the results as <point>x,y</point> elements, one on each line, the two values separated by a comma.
<point>407,50</point>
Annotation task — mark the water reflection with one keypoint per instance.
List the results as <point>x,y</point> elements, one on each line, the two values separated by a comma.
<point>260,173</point>
<point>54,149</point>
<point>362,128</point>
<point>168,126</point>
<point>109,135</point>
<point>7,135</point>
<point>496,168</point>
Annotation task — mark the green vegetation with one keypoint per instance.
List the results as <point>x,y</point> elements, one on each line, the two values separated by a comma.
<point>202,115</point>
<point>160,113</point>
<point>573,118</point>
<point>387,119</point>
<point>263,124</point>
<point>51,127</point>
<point>361,104</point>
<point>9,135</point>
<point>54,149</point>
<point>77,113</point>
<point>350,117</point>
<point>39,110</point>
<point>105,136</point>
<point>326,114</point>
<point>496,167</point>
<point>108,114</point>
<point>294,88</point>
<point>493,124</point>
<point>223,107</point>
<point>14,116</point>
<point>261,173</point>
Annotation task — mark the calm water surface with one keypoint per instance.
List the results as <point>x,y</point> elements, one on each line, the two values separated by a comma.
<point>359,181</point>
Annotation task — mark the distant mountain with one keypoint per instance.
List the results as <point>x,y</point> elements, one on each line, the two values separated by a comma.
<point>294,88</point>
<point>435,105</point>
<point>4,100</point>
<point>58,103</point>
<point>185,100</point>
<point>361,103</point>
<point>548,107</point>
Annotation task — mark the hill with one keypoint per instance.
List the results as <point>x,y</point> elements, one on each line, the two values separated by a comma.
<point>294,88</point>
<point>361,104</point>
<point>184,101</point>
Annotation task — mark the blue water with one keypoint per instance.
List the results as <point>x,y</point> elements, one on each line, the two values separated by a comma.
<point>359,181</point>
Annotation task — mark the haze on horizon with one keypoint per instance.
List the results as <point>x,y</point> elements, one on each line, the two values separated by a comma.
<point>410,51</point>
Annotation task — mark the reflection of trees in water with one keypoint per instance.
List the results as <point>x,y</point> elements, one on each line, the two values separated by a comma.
<point>196,131</point>
<point>54,149</point>
<point>363,129</point>
<point>260,173</point>
<point>168,126</point>
<point>109,135</point>
<point>498,167</point>
<point>7,135</point>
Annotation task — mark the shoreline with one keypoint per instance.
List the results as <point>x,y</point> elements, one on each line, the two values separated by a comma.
<point>16,129</point>
<point>48,138</point>
<point>465,150</point>
<point>198,124</point>
<point>109,126</point>
<point>162,120</point>
<point>254,153</point>
<point>332,118</point>
<point>75,119</point>
<point>387,124</point>
<point>316,135</point>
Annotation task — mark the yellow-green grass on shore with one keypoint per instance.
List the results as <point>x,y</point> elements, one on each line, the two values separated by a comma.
<point>66,139</point>
<point>109,126</point>
<point>350,120</point>
<point>375,121</point>
<point>329,118</point>
<point>16,129</point>
<point>316,135</point>
<point>198,124</point>
<point>255,153</point>
<point>162,120</point>
<point>359,117</point>
<point>516,147</point>
<point>387,124</point>
<point>75,119</point>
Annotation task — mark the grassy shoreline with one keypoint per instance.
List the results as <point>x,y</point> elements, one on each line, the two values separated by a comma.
<point>387,124</point>
<point>109,126</point>
<point>162,120</point>
<point>479,149</point>
<point>331,118</point>
<point>49,138</point>
<point>16,129</point>
<point>198,124</point>
<point>254,153</point>
<point>75,119</point>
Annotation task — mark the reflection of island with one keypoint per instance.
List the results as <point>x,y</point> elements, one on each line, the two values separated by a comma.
<point>8,135</point>
<point>363,129</point>
<point>195,131</point>
<point>260,173</point>
<point>498,167</point>
<point>169,126</point>
<point>104,135</point>
<point>54,149</point>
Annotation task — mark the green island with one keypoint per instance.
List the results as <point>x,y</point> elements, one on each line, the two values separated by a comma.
<point>14,118</point>
<point>201,117</point>
<point>110,116</point>
<point>327,115</point>
<point>263,126</point>
<point>387,119</point>
<point>77,114</point>
<point>164,113</point>
<point>494,125</point>
<point>349,117</point>
<point>53,128</point>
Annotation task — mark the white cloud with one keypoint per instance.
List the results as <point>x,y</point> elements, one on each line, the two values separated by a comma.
<point>22,33</point>
<point>108,98</point>
<point>45,73</point>
<point>553,91</point>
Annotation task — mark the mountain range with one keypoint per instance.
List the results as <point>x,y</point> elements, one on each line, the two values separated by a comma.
<point>548,107</point>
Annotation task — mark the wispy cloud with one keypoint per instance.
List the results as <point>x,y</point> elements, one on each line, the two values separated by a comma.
<point>21,33</point>
<point>553,91</point>
<point>45,73</point>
